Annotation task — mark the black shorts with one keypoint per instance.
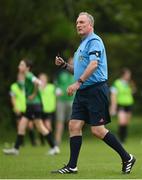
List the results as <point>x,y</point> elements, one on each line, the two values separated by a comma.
<point>124,108</point>
<point>47,116</point>
<point>19,116</point>
<point>34,111</point>
<point>91,105</point>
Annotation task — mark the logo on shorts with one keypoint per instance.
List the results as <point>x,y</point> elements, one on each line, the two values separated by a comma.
<point>101,120</point>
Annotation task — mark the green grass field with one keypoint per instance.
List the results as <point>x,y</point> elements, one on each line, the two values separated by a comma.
<point>96,161</point>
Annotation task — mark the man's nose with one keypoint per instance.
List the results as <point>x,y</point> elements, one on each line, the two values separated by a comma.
<point>78,25</point>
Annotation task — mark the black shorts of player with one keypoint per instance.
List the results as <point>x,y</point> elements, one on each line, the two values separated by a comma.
<point>47,116</point>
<point>19,116</point>
<point>34,111</point>
<point>91,104</point>
<point>124,108</point>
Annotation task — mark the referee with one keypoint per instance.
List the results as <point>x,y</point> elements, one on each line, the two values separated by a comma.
<point>91,103</point>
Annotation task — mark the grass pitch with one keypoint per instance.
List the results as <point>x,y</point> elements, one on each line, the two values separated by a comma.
<point>96,161</point>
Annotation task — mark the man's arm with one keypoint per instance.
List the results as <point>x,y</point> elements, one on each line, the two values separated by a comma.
<point>70,68</point>
<point>61,63</point>
<point>89,70</point>
<point>87,73</point>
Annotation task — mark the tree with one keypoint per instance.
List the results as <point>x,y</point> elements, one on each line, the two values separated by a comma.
<point>40,29</point>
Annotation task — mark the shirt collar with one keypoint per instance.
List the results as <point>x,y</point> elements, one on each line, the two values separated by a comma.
<point>87,36</point>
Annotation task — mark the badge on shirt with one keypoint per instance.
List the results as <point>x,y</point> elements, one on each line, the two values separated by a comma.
<point>80,58</point>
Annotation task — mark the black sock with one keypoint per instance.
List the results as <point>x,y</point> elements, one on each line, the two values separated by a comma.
<point>122,133</point>
<point>50,140</point>
<point>19,141</point>
<point>42,140</point>
<point>75,145</point>
<point>32,137</point>
<point>112,141</point>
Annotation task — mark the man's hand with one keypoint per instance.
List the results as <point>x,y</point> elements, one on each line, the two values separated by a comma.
<point>59,61</point>
<point>72,88</point>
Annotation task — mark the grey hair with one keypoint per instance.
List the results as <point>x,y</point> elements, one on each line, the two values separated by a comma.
<point>90,17</point>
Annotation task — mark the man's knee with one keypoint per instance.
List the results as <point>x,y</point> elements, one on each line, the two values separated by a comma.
<point>99,131</point>
<point>75,127</point>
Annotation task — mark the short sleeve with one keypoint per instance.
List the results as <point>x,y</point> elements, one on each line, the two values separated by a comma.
<point>12,94</point>
<point>30,76</point>
<point>113,88</point>
<point>94,50</point>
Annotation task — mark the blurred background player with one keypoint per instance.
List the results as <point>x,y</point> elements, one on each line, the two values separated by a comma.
<point>18,100</point>
<point>33,110</point>
<point>122,101</point>
<point>48,96</point>
<point>64,102</point>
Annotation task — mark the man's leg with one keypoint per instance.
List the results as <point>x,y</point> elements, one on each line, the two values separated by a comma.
<point>102,133</point>
<point>75,129</point>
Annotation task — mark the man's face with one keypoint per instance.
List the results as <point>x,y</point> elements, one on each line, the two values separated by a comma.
<point>22,67</point>
<point>83,25</point>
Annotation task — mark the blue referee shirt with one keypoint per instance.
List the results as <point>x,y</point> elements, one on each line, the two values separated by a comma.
<point>91,49</point>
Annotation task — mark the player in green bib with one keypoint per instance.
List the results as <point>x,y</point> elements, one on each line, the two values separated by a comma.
<point>17,94</point>
<point>122,101</point>
<point>48,96</point>
<point>18,99</point>
<point>33,110</point>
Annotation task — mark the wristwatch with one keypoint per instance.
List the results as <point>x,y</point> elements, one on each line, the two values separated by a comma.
<point>80,81</point>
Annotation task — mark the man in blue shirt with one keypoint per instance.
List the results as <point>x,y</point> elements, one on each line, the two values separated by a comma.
<point>91,48</point>
<point>91,102</point>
